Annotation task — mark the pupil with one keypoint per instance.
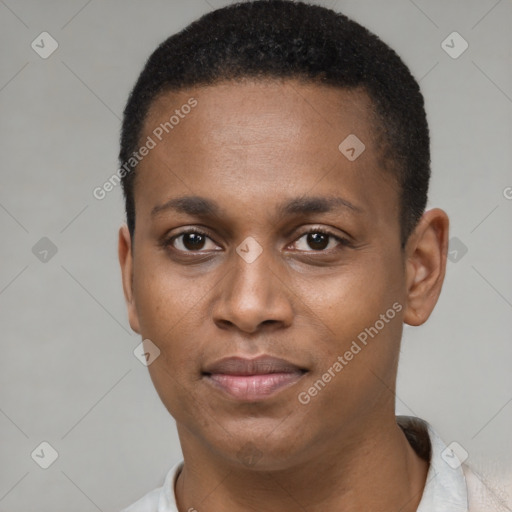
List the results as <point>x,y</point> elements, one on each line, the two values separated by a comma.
<point>318,241</point>
<point>193,241</point>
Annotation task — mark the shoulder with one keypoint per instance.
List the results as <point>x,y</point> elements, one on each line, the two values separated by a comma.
<point>148,503</point>
<point>482,496</point>
<point>161,499</point>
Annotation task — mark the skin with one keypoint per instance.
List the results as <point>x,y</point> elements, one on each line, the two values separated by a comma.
<point>251,146</point>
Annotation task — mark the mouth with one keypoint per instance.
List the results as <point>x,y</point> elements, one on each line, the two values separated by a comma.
<point>252,379</point>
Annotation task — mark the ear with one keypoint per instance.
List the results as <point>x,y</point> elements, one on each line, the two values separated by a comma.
<point>426,253</point>
<point>126,262</point>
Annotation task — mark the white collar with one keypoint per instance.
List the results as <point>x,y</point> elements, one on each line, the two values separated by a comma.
<point>445,489</point>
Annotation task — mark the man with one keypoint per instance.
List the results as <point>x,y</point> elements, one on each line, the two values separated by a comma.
<point>275,164</point>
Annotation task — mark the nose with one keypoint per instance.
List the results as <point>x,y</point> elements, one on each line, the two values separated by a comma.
<point>253,295</point>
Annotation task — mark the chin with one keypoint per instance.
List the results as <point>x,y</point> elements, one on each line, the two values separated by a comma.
<point>260,452</point>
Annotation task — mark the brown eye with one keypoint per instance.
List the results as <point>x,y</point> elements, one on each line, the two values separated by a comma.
<point>319,240</point>
<point>191,241</point>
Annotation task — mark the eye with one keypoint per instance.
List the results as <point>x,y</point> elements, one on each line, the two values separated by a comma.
<point>191,241</point>
<point>195,241</point>
<point>318,240</point>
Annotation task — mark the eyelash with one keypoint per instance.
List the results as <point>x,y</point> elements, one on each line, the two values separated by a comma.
<point>344,242</point>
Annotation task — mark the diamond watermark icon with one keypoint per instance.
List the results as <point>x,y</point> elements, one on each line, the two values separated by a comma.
<point>352,147</point>
<point>44,455</point>
<point>44,45</point>
<point>249,250</point>
<point>454,45</point>
<point>146,352</point>
<point>457,249</point>
<point>249,454</point>
<point>454,455</point>
<point>44,250</point>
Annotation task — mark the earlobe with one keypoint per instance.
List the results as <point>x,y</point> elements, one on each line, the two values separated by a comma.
<point>426,253</point>
<point>126,262</point>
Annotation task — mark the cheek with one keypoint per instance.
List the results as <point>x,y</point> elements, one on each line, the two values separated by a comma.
<point>353,299</point>
<point>170,314</point>
<point>162,297</point>
<point>355,372</point>
<point>362,311</point>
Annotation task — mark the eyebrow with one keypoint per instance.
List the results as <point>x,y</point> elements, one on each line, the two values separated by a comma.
<point>203,207</point>
<point>191,205</point>
<point>317,204</point>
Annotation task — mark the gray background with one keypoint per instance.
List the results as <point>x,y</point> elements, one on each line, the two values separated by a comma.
<point>68,374</point>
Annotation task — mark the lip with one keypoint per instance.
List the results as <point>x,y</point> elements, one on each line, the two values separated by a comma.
<point>252,379</point>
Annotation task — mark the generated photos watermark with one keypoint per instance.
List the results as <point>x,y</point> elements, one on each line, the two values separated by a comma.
<point>157,135</point>
<point>355,348</point>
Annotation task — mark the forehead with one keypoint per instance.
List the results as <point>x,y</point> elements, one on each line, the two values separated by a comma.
<point>285,108</point>
<point>263,137</point>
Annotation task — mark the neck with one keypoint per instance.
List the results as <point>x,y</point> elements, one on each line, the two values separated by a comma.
<point>375,469</point>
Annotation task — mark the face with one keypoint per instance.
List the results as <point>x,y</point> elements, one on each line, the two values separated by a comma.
<point>267,268</point>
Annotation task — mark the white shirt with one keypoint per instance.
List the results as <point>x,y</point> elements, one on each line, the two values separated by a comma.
<point>450,485</point>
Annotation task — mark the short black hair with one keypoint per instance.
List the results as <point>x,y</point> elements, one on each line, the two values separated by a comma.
<point>283,39</point>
